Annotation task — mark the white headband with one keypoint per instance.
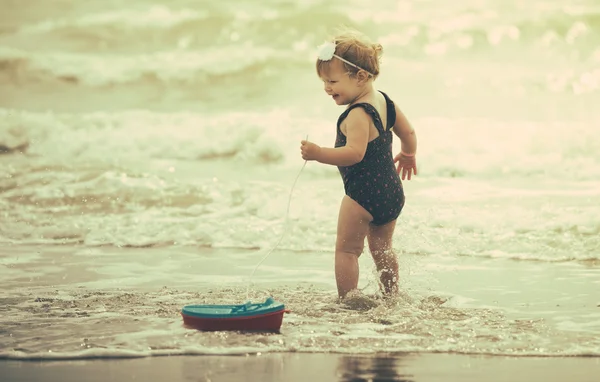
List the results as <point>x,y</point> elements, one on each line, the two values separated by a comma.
<point>327,52</point>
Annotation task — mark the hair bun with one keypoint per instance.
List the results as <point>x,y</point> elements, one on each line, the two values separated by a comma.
<point>377,48</point>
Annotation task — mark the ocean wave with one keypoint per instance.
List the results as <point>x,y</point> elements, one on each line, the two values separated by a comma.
<point>418,29</point>
<point>185,46</point>
<point>161,27</point>
<point>155,16</point>
<point>13,139</point>
<point>241,136</point>
<point>258,138</point>
<point>488,149</point>
<point>262,69</point>
<point>96,206</point>
<point>209,68</point>
<point>108,208</point>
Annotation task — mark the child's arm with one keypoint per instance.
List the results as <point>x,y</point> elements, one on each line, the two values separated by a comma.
<point>357,138</point>
<point>407,164</point>
<point>405,132</point>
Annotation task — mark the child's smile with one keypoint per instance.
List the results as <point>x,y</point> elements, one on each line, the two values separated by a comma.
<point>338,84</point>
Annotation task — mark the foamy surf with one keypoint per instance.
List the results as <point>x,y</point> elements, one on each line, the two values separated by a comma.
<point>100,70</point>
<point>543,147</point>
<point>144,178</point>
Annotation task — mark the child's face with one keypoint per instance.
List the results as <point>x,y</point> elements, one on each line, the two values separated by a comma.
<point>338,83</point>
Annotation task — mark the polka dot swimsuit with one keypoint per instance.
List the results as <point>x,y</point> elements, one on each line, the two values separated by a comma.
<point>373,182</point>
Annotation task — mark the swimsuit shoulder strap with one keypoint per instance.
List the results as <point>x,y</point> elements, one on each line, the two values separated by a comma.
<point>391,111</point>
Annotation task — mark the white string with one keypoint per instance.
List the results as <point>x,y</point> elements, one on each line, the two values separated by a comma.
<point>282,231</point>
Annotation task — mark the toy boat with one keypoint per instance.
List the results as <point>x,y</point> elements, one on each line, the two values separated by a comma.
<point>266,316</point>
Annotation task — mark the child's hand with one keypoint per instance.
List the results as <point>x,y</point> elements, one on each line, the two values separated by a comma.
<point>407,164</point>
<point>309,150</point>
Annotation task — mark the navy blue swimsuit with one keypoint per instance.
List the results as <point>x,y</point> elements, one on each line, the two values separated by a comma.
<point>373,182</point>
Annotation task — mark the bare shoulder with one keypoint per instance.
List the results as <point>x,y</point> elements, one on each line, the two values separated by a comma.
<point>357,118</point>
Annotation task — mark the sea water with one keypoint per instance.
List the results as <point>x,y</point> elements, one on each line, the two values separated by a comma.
<point>177,124</point>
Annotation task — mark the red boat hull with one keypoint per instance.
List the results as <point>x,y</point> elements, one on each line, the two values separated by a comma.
<point>270,322</point>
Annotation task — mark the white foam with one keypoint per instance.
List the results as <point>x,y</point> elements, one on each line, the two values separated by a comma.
<point>156,16</point>
<point>168,66</point>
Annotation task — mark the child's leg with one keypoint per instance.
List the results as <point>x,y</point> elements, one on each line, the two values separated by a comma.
<point>353,223</point>
<point>386,262</point>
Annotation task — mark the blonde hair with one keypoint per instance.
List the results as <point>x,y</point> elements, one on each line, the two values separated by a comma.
<point>357,48</point>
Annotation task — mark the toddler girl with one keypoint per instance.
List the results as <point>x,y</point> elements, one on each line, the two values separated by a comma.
<point>374,197</point>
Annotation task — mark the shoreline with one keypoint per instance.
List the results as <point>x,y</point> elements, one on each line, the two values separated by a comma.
<point>110,302</point>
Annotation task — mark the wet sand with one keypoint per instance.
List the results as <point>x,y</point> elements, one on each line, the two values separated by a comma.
<point>299,367</point>
<point>560,293</point>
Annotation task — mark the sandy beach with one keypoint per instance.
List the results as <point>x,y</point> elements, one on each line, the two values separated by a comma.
<point>147,154</point>
<point>314,367</point>
<point>117,318</point>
